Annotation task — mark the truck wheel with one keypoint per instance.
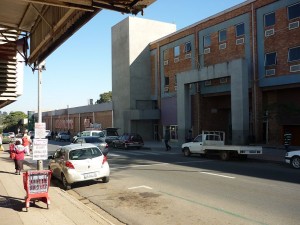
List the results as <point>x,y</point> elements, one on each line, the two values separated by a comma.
<point>224,155</point>
<point>295,162</point>
<point>186,152</point>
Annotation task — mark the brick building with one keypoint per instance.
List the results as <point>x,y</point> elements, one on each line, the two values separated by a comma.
<point>237,71</point>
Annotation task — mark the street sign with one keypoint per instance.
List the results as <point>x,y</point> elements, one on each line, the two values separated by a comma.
<point>39,130</point>
<point>40,149</point>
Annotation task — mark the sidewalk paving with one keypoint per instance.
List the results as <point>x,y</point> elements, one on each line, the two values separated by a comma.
<point>65,208</point>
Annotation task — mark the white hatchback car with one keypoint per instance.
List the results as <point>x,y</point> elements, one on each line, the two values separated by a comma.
<point>79,162</point>
<point>293,158</point>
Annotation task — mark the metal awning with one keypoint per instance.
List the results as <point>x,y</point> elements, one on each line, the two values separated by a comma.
<point>46,24</point>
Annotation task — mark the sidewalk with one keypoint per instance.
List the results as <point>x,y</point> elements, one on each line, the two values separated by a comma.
<point>63,208</point>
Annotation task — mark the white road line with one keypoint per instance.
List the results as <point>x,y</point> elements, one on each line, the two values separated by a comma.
<point>219,175</point>
<point>143,186</point>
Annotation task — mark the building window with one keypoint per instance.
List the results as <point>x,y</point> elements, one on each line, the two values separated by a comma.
<point>176,51</point>
<point>222,35</point>
<point>294,54</point>
<point>294,11</point>
<point>167,80</point>
<point>240,29</point>
<point>270,59</point>
<point>206,41</point>
<point>165,54</point>
<point>270,19</point>
<point>188,47</point>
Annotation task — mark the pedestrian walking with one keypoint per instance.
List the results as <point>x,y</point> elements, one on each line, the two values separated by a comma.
<point>167,139</point>
<point>287,140</point>
<point>19,151</point>
<point>26,143</point>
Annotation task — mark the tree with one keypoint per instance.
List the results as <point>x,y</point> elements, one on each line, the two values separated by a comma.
<point>13,121</point>
<point>105,97</point>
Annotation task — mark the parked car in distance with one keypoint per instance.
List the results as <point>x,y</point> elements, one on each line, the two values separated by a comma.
<point>62,136</point>
<point>94,133</point>
<point>293,158</point>
<point>12,134</point>
<point>79,162</point>
<point>111,133</point>
<point>93,140</point>
<point>131,140</point>
<point>6,138</point>
<point>48,134</point>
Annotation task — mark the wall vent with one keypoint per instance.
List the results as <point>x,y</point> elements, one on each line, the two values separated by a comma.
<point>166,62</point>
<point>222,46</point>
<point>176,60</point>
<point>166,89</point>
<point>293,25</point>
<point>188,55</point>
<point>207,83</point>
<point>295,68</point>
<point>239,41</point>
<point>175,87</point>
<point>270,72</point>
<point>269,32</point>
<point>223,80</point>
<point>206,51</point>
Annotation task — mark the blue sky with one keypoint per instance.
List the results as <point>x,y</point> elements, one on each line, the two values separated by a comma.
<point>80,69</point>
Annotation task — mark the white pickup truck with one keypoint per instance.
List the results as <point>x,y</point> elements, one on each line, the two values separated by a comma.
<point>213,142</point>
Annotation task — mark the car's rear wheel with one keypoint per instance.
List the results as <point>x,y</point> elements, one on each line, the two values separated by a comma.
<point>295,162</point>
<point>224,155</point>
<point>186,152</point>
<point>65,183</point>
<point>105,179</point>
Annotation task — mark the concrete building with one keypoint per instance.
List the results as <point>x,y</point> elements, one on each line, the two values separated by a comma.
<point>133,108</point>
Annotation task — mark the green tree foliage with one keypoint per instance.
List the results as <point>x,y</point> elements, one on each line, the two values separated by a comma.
<point>13,121</point>
<point>105,97</point>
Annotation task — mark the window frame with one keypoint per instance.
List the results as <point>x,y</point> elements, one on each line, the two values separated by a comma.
<point>167,81</point>
<point>220,35</point>
<point>268,14</point>
<point>177,51</point>
<point>188,47</point>
<point>275,59</point>
<point>295,60</point>
<point>236,30</point>
<point>205,45</point>
<point>288,11</point>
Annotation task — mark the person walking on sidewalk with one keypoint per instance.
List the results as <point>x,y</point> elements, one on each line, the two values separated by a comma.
<point>26,143</point>
<point>19,158</point>
<point>167,139</point>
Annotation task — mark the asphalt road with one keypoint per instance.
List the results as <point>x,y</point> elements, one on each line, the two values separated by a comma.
<point>159,187</point>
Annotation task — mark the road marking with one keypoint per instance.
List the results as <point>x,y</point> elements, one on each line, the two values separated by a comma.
<point>143,186</point>
<point>219,175</point>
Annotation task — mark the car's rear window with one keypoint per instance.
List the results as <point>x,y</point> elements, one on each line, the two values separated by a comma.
<point>85,153</point>
<point>93,140</point>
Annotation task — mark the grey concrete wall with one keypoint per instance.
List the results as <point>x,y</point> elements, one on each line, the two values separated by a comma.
<point>131,69</point>
<point>238,71</point>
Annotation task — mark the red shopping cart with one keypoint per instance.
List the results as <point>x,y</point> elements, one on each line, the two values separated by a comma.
<point>36,185</point>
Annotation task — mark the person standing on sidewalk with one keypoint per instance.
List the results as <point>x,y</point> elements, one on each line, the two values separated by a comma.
<point>167,139</point>
<point>19,158</point>
<point>287,140</point>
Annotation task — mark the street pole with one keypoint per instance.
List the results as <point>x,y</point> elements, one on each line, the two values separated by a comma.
<point>39,162</point>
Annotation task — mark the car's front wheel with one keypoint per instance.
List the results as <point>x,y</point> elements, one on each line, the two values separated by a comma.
<point>65,183</point>
<point>186,152</point>
<point>295,162</point>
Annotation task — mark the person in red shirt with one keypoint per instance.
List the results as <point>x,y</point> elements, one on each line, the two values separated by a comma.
<point>19,159</point>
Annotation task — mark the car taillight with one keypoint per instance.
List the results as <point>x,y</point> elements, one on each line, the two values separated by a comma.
<point>70,165</point>
<point>106,146</point>
<point>104,159</point>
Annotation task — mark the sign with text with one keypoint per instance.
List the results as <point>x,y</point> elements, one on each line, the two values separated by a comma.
<point>39,130</point>
<point>40,149</point>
